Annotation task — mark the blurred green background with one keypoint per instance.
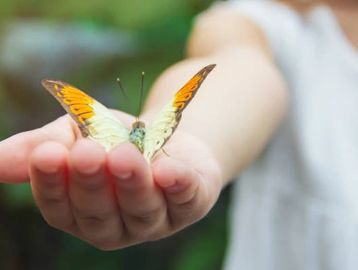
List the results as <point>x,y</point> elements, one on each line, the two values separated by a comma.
<point>90,44</point>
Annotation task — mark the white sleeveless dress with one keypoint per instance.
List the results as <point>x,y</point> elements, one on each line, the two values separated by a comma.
<point>296,207</point>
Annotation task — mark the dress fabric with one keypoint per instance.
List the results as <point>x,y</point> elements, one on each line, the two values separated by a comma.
<point>296,207</point>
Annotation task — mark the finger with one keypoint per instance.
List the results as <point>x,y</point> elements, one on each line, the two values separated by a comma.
<point>15,151</point>
<point>142,205</point>
<point>92,196</point>
<point>185,191</point>
<point>48,176</point>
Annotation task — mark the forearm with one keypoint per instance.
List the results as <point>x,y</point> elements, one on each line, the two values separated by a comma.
<point>237,108</point>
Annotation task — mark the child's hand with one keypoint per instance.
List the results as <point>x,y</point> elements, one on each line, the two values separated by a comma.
<point>115,200</point>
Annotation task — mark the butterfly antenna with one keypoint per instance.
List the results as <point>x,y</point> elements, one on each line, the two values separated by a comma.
<point>141,93</point>
<point>119,82</point>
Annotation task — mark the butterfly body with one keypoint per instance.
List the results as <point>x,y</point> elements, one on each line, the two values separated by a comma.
<point>97,123</point>
<point>137,135</point>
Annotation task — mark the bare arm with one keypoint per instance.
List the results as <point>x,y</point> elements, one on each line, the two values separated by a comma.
<point>242,101</point>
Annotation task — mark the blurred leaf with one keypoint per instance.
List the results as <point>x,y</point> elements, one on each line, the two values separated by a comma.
<point>133,14</point>
<point>205,251</point>
<point>92,259</point>
<point>18,195</point>
<point>3,123</point>
<point>169,31</point>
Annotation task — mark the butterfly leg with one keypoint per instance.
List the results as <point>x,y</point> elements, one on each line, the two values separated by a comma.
<point>165,152</point>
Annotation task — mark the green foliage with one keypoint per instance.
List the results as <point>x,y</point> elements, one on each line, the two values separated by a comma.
<point>18,195</point>
<point>2,111</point>
<point>205,250</point>
<point>3,123</point>
<point>74,249</point>
<point>134,14</point>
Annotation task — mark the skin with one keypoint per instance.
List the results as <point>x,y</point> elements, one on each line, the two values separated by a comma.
<point>113,200</point>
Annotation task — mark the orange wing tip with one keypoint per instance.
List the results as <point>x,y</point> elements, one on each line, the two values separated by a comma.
<point>210,67</point>
<point>49,83</point>
<point>46,83</point>
<point>187,92</point>
<point>206,70</point>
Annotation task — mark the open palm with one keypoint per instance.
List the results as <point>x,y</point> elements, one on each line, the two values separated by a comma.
<point>115,199</point>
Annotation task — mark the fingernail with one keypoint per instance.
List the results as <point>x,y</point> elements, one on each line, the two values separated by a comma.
<point>175,188</point>
<point>51,170</point>
<point>90,170</point>
<point>123,176</point>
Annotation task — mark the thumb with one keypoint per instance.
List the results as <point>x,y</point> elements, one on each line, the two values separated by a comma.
<point>15,151</point>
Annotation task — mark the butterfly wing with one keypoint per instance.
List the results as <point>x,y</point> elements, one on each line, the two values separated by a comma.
<point>93,119</point>
<point>168,119</point>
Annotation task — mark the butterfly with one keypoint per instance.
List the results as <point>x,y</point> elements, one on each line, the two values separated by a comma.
<point>97,123</point>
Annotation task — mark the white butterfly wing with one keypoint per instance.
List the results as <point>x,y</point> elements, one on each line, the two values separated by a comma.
<point>160,131</point>
<point>169,117</point>
<point>94,120</point>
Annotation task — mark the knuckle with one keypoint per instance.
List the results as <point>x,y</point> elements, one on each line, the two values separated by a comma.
<point>146,226</point>
<point>91,216</point>
<point>187,198</point>
<point>51,200</point>
<point>187,204</point>
<point>93,222</point>
<point>87,185</point>
<point>147,216</point>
